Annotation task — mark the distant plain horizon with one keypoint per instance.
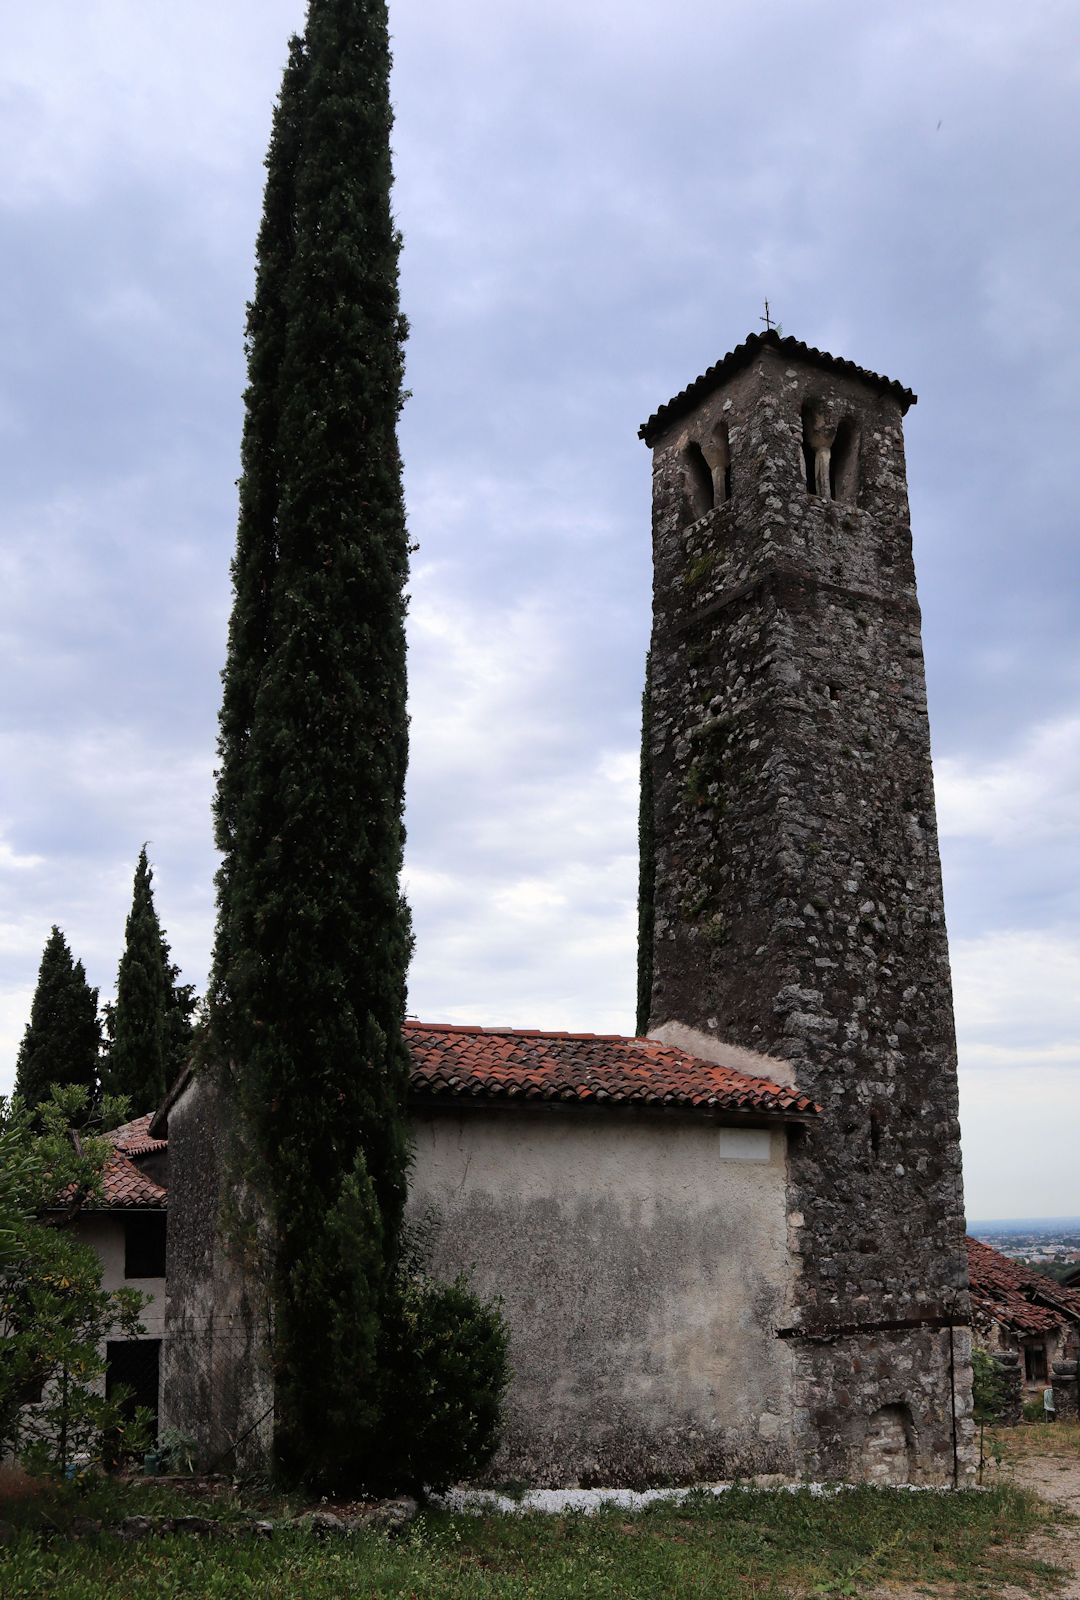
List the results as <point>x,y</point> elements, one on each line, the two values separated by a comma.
<point>1024,1224</point>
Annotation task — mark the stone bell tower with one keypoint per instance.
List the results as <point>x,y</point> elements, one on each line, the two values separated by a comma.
<point>795,879</point>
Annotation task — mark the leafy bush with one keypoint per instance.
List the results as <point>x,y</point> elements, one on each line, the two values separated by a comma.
<point>446,1366</point>
<point>987,1386</point>
<point>180,1452</point>
<point>54,1313</point>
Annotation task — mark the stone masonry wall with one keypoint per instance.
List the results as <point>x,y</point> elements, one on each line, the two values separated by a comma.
<point>798,892</point>
<point>216,1387</point>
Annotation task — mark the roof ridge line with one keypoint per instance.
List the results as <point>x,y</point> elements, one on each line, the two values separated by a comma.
<point>542,1033</point>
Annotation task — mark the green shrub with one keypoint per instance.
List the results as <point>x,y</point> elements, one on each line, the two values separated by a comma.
<point>54,1314</point>
<point>446,1367</point>
<point>987,1386</point>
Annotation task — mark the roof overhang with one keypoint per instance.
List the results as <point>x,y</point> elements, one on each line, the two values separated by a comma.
<point>747,352</point>
<point>602,1110</point>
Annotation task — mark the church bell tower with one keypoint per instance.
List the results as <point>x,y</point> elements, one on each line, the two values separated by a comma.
<point>792,882</point>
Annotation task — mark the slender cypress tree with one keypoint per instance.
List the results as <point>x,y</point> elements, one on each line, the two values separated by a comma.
<point>62,1042</point>
<point>314,938</point>
<point>254,566</point>
<point>149,1026</point>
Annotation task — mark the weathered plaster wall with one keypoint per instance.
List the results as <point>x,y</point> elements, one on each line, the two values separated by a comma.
<point>798,901</point>
<point>215,1380</point>
<point>103,1231</point>
<point>643,1265</point>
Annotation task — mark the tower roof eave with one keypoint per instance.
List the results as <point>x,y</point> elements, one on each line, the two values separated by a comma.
<point>743,354</point>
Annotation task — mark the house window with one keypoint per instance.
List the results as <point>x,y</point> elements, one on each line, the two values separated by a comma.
<point>31,1392</point>
<point>1035,1363</point>
<point>144,1245</point>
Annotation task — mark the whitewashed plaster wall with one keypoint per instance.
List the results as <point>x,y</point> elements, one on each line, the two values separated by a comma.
<point>644,1269</point>
<point>104,1232</point>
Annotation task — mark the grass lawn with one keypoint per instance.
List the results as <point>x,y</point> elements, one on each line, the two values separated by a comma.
<point>746,1545</point>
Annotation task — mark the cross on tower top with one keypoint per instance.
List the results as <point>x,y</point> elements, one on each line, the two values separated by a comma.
<point>766,319</point>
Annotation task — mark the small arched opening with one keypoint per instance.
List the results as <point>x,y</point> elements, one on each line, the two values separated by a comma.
<point>889,1446</point>
<point>699,480</point>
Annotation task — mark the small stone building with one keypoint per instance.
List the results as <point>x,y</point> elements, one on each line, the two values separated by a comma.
<point>1024,1315</point>
<point>626,1201</point>
<point>738,1243</point>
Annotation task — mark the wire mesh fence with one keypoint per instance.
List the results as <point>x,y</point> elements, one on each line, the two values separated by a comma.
<point>216,1406</point>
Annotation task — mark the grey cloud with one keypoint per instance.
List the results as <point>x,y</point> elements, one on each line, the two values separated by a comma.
<point>595,201</point>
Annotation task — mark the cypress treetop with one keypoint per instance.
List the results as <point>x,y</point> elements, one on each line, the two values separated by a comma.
<point>254,566</point>
<point>62,1042</point>
<point>149,1025</point>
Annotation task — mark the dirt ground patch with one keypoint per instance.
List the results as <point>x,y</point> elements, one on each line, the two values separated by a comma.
<point>1044,1458</point>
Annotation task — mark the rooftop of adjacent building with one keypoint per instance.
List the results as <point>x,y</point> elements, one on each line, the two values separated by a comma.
<point>1016,1297</point>
<point>123,1186</point>
<point>742,356</point>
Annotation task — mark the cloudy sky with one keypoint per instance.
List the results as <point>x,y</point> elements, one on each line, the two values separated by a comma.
<point>596,199</point>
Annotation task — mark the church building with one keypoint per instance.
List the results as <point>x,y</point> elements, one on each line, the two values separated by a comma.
<point>735,1244</point>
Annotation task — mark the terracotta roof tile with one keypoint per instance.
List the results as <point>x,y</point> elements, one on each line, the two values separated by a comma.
<point>1021,1300</point>
<point>123,1187</point>
<point>134,1138</point>
<point>453,1062</point>
<point>742,355</point>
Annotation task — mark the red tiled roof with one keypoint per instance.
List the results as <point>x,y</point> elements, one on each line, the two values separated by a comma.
<point>451,1062</point>
<point>1021,1300</point>
<point>123,1187</point>
<point>743,354</point>
<point>134,1138</point>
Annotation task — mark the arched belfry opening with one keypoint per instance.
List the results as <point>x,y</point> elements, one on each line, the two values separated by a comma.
<point>830,453</point>
<point>699,480</point>
<point>721,463</point>
<point>844,463</point>
<point>817,441</point>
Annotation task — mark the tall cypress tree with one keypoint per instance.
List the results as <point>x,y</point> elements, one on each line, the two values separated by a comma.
<point>149,1026</point>
<point>254,565</point>
<point>314,938</point>
<point>62,1042</point>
